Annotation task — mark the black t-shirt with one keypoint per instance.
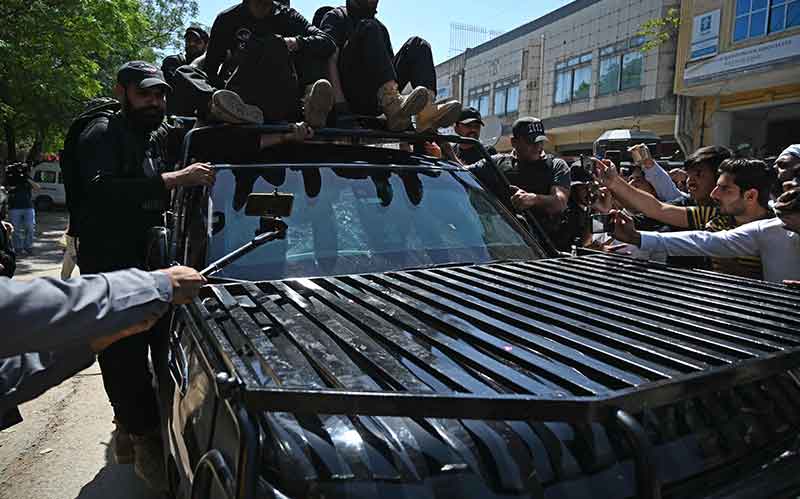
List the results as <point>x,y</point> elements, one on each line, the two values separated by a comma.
<point>537,177</point>
<point>340,25</point>
<point>236,25</point>
<point>120,169</point>
<point>20,196</point>
<point>472,155</point>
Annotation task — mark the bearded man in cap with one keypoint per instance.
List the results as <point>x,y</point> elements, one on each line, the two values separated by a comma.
<point>124,186</point>
<point>368,77</point>
<point>195,43</point>
<point>469,125</point>
<point>538,181</point>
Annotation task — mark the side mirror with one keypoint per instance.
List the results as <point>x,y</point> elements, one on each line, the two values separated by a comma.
<point>157,251</point>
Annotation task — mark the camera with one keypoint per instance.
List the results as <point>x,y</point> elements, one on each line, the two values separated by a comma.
<point>602,223</point>
<point>16,174</point>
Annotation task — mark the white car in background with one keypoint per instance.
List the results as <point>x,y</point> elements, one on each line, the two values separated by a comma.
<point>48,176</point>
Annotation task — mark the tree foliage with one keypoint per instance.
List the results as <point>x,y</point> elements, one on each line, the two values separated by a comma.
<point>57,54</point>
<point>660,30</point>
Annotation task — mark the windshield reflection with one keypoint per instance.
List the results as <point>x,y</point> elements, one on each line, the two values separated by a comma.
<point>360,220</point>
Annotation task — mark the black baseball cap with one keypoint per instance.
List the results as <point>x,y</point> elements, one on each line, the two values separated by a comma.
<point>141,73</point>
<point>529,128</point>
<point>197,31</point>
<point>470,115</point>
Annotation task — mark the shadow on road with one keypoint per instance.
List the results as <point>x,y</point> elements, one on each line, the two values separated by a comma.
<point>116,480</point>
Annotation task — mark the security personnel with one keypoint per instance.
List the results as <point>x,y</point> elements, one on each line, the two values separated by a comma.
<point>127,184</point>
<point>538,181</point>
<point>469,125</point>
<point>195,44</point>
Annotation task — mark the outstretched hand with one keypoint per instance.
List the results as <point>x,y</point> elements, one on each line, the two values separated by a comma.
<point>605,171</point>
<point>624,228</point>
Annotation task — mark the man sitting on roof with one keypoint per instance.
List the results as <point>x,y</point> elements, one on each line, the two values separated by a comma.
<point>253,51</point>
<point>368,77</point>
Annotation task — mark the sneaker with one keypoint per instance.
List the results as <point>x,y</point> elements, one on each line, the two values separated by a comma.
<point>318,103</point>
<point>123,447</point>
<point>148,462</point>
<point>435,116</point>
<point>228,107</point>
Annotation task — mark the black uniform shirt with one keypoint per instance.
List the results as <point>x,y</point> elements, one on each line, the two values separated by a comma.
<point>236,24</point>
<point>121,169</point>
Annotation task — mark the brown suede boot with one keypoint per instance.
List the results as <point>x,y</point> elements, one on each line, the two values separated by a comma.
<point>400,108</point>
<point>123,447</point>
<point>435,116</point>
<point>317,103</point>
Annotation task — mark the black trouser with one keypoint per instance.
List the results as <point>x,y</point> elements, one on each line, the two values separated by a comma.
<point>266,76</point>
<point>124,365</point>
<point>366,63</point>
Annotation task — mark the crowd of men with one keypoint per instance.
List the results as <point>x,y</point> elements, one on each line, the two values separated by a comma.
<point>340,70</point>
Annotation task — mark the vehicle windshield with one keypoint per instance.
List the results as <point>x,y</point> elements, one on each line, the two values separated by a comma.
<point>361,220</point>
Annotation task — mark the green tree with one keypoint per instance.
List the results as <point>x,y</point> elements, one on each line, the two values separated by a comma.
<point>57,54</point>
<point>660,30</point>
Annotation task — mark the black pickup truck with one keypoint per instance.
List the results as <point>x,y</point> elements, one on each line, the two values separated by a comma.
<point>407,337</point>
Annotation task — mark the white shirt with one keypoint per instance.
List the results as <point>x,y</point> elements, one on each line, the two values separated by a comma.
<point>778,248</point>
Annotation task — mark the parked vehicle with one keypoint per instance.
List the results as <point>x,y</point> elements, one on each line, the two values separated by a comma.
<point>52,193</point>
<point>404,336</point>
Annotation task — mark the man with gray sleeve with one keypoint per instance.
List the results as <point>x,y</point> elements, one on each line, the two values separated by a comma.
<point>775,240</point>
<point>68,322</point>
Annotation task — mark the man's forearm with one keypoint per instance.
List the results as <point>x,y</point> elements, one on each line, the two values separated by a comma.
<point>549,204</point>
<point>45,314</point>
<point>648,205</point>
<point>725,244</point>
<point>666,190</point>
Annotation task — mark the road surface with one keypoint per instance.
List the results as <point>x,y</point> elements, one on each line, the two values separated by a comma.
<point>61,450</point>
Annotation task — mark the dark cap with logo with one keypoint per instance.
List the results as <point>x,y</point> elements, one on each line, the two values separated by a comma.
<point>529,128</point>
<point>470,115</point>
<point>142,74</point>
<point>198,32</point>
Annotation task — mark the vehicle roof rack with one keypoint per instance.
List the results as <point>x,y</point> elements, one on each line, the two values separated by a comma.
<point>366,135</point>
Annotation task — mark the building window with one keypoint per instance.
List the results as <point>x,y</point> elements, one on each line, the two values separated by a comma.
<point>756,18</point>
<point>608,82</point>
<point>480,102</point>
<point>620,67</point>
<point>632,64</point>
<point>506,99</point>
<point>573,79</point>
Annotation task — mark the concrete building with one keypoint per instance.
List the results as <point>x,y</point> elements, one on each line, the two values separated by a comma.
<point>738,74</point>
<point>579,68</point>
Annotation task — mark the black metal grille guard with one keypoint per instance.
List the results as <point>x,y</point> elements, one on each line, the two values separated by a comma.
<point>555,407</point>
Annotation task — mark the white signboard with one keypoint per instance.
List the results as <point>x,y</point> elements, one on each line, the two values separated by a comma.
<point>758,55</point>
<point>705,35</point>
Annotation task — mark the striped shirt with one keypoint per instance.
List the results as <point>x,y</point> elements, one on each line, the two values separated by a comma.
<point>709,218</point>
